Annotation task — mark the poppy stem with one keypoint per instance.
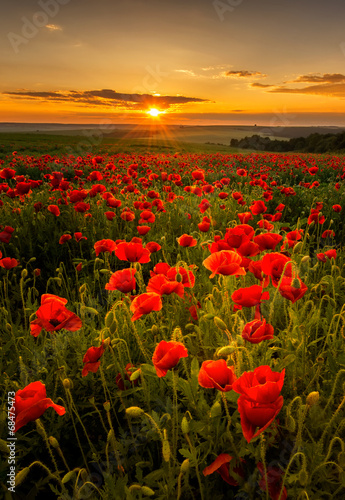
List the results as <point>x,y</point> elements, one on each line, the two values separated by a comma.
<point>225,403</point>
<point>263,458</point>
<point>175,413</point>
<point>42,432</point>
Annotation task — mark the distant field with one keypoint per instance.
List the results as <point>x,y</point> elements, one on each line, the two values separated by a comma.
<point>83,139</point>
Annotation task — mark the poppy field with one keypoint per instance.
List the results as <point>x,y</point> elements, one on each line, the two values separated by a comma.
<point>172,326</point>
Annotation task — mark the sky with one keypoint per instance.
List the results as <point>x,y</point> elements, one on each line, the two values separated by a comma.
<point>199,62</point>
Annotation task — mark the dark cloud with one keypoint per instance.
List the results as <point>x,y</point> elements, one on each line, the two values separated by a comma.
<point>326,78</point>
<point>244,74</point>
<point>106,97</point>
<point>261,85</point>
<point>326,89</point>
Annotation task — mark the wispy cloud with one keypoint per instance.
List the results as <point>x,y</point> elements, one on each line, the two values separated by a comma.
<point>106,97</point>
<point>326,78</point>
<point>244,73</point>
<point>53,27</point>
<point>261,85</point>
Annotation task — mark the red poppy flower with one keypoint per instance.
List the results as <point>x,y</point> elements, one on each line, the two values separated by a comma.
<point>216,375</point>
<point>31,402</point>
<point>328,234</point>
<point>267,241</point>
<point>7,173</point>
<point>186,241</point>
<point>142,230</point>
<point>261,385</point>
<point>132,252</point>
<point>152,246</point>
<point>256,331</point>
<point>160,268</point>
<point>274,265</point>
<point>52,315</point>
<point>257,207</point>
<point>81,207</point>
<point>110,215</point>
<point>188,278</point>
<point>64,238</point>
<point>236,236</point>
<point>221,465</point>
<point>321,257</point>
<point>127,215</point>
<point>336,208</point>
<point>123,281</point>
<point>245,217</point>
<point>225,262</point>
<point>54,209</point>
<point>92,358</point>
<point>6,234</point>
<point>8,263</point>
<point>79,267</point>
<point>147,216</point>
<point>167,355</point>
<point>241,172</point>
<point>260,401</point>
<point>250,296</point>
<point>316,217</point>
<point>292,288</point>
<point>161,285</point>
<point>273,482</point>
<point>144,304</point>
<point>331,254</point>
<point>204,226</point>
<point>255,267</point>
<point>198,175</point>
<point>79,236</point>
<point>104,246</point>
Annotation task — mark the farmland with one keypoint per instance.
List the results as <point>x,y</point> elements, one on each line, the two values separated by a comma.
<point>173,320</point>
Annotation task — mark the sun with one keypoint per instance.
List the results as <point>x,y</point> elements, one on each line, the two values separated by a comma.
<point>154,112</point>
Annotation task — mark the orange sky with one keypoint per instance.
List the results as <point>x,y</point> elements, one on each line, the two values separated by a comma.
<point>201,61</point>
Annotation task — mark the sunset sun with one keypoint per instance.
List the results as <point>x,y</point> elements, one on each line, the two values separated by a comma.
<point>154,112</point>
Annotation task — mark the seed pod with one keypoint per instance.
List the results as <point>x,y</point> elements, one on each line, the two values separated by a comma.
<point>312,398</point>
<point>185,425</point>
<point>134,411</point>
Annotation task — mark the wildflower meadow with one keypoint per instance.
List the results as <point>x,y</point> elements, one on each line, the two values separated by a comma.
<point>172,326</point>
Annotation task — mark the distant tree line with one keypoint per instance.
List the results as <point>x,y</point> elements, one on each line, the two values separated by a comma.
<point>314,143</point>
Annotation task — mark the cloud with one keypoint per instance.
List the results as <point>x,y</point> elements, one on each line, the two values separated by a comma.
<point>53,27</point>
<point>244,74</point>
<point>106,97</point>
<point>326,78</point>
<point>261,85</point>
<point>326,89</point>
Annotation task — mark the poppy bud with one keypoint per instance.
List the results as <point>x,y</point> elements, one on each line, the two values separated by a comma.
<point>154,330</point>
<point>312,398</point>
<point>166,448</point>
<point>134,411</point>
<point>185,425</point>
<point>106,406</point>
<point>185,466</point>
<point>216,410</point>
<point>220,323</point>
<point>67,383</point>
<point>147,491</point>
<point>209,316</point>
<point>24,273</point>
<point>305,259</point>
<point>297,247</point>
<point>303,477</point>
<point>135,375</point>
<point>53,442</point>
<point>21,475</point>
<point>225,351</point>
<point>296,283</point>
